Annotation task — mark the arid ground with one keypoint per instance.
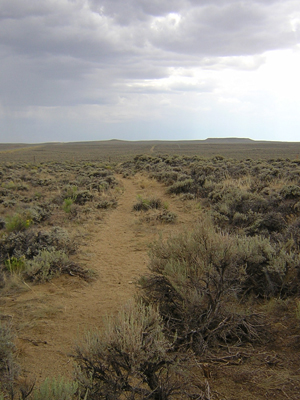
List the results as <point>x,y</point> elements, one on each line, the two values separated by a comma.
<point>49,318</point>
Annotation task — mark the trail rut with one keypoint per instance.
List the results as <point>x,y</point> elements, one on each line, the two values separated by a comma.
<point>52,316</point>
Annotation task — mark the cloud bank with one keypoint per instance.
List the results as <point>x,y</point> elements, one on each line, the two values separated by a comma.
<point>140,69</point>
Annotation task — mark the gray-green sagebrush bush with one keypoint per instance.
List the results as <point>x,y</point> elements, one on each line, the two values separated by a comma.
<point>131,359</point>
<point>29,243</point>
<point>48,264</point>
<point>143,204</point>
<point>45,265</point>
<point>38,256</point>
<point>192,277</point>
<point>196,279</point>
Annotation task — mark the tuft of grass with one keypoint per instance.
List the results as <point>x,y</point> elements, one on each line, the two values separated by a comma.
<point>55,389</point>
<point>18,223</point>
<point>15,264</point>
<point>67,205</point>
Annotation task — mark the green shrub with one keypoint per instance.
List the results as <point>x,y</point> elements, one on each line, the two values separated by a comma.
<point>267,223</point>
<point>11,185</point>
<point>270,269</point>
<point>292,234</point>
<point>67,205</point>
<point>39,213</point>
<point>15,265</point>
<point>48,264</point>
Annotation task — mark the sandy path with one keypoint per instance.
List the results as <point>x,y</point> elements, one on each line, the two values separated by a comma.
<point>52,316</point>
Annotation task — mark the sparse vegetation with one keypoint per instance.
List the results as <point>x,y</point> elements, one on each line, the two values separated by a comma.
<point>218,299</point>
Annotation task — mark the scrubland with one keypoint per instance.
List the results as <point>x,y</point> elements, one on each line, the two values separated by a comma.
<point>215,313</point>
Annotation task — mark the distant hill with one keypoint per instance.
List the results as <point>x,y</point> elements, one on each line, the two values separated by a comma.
<point>228,140</point>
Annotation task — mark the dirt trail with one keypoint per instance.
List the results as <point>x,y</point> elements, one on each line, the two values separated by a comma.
<point>52,316</point>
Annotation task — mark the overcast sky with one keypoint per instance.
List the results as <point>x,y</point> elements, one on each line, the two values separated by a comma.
<point>74,70</point>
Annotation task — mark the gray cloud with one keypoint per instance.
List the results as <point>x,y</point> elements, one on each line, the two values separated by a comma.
<point>73,52</point>
<point>236,28</point>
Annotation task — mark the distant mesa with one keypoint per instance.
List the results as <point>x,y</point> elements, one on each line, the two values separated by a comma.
<point>228,140</point>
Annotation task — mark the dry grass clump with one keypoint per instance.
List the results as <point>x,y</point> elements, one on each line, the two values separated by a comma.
<point>9,368</point>
<point>55,389</point>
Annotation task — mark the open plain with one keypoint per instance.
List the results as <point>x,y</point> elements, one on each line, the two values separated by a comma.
<point>81,223</point>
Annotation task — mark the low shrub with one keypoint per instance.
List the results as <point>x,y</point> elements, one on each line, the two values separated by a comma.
<point>105,204</point>
<point>131,359</point>
<point>29,243</point>
<point>197,279</point>
<point>45,265</point>
<point>167,217</point>
<point>290,192</point>
<point>48,264</point>
<point>9,368</point>
<point>147,204</point>
<point>83,196</point>
<point>184,186</point>
<point>70,192</point>
<point>193,277</point>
